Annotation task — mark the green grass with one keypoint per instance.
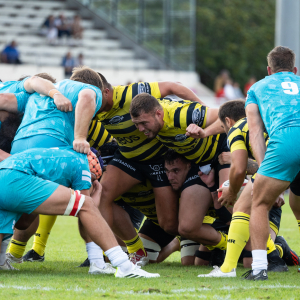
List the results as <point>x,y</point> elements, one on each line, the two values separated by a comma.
<point>58,277</point>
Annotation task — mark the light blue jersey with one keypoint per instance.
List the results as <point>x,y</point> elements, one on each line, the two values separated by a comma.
<point>278,99</point>
<point>41,116</point>
<point>16,87</point>
<point>60,165</point>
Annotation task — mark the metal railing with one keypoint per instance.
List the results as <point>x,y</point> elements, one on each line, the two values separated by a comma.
<point>166,27</point>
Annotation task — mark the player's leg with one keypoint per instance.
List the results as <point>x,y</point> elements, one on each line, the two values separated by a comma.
<point>188,249</point>
<point>4,262</point>
<point>203,256</point>
<point>294,198</point>
<point>166,251</point>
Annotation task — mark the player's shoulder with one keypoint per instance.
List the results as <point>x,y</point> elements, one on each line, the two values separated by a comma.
<point>74,86</point>
<point>237,127</point>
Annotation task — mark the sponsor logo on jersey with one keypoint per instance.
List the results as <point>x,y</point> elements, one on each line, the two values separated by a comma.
<point>180,137</point>
<point>141,88</point>
<point>231,241</point>
<point>127,140</point>
<point>157,171</point>
<point>124,164</point>
<point>191,178</point>
<point>196,116</point>
<point>116,120</point>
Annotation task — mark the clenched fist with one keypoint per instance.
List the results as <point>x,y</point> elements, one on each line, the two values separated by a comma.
<point>81,145</point>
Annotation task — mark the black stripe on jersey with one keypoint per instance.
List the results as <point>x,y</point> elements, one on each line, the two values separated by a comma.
<point>235,139</point>
<point>126,149</point>
<point>121,131</point>
<point>172,140</point>
<point>189,114</point>
<point>125,118</point>
<point>177,117</point>
<point>209,150</point>
<point>140,204</point>
<point>198,146</point>
<point>248,141</point>
<point>135,89</point>
<point>107,138</point>
<point>148,87</point>
<point>242,125</point>
<point>89,138</point>
<point>122,102</point>
<point>150,151</point>
<point>99,137</point>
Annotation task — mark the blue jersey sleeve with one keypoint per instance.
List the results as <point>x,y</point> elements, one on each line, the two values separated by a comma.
<point>20,85</point>
<point>250,98</point>
<point>82,177</point>
<point>22,99</point>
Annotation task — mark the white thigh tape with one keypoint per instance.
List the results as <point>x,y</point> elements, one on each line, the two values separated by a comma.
<point>205,169</point>
<point>188,248</point>
<point>152,248</point>
<point>75,204</point>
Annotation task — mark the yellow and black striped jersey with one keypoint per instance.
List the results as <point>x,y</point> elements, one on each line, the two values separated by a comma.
<point>98,135</point>
<point>141,197</point>
<point>133,143</point>
<point>238,137</point>
<point>178,115</point>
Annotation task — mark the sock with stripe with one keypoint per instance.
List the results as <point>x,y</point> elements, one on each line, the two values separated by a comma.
<point>134,245</point>
<point>222,244</point>
<point>119,259</point>
<point>270,245</point>
<point>17,248</point>
<point>280,250</point>
<point>238,237</point>
<point>41,236</point>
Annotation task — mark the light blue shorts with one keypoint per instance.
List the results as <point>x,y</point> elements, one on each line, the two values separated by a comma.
<point>21,193</point>
<point>282,159</point>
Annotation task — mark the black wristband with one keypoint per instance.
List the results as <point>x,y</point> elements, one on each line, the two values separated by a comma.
<point>223,214</point>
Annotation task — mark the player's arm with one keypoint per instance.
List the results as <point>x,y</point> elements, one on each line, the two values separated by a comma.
<point>256,132</point>
<point>84,112</point>
<point>8,102</point>
<point>174,88</point>
<point>46,87</point>
<point>4,155</point>
<point>238,168</point>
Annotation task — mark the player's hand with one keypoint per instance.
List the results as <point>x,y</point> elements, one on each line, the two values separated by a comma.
<point>97,191</point>
<point>208,179</point>
<point>224,158</point>
<point>195,132</point>
<point>227,198</point>
<point>81,145</point>
<point>279,201</point>
<point>62,103</point>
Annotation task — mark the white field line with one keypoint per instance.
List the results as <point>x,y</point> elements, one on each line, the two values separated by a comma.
<point>187,291</point>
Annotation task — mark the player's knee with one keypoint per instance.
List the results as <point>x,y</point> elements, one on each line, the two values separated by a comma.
<point>170,228</point>
<point>187,230</point>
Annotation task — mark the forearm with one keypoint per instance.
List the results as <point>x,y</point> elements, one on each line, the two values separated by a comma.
<point>39,85</point>
<point>252,167</point>
<point>257,141</point>
<point>214,128</point>
<point>4,155</point>
<point>236,179</point>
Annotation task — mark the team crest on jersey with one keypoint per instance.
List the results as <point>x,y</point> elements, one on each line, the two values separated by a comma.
<point>116,120</point>
<point>180,137</point>
<point>196,116</point>
<point>141,88</point>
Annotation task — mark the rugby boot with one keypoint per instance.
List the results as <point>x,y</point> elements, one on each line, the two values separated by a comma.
<point>13,259</point>
<point>216,272</point>
<point>95,270</point>
<point>32,256</point>
<point>7,266</point>
<point>135,272</point>
<point>139,258</point>
<point>262,275</point>
<point>86,263</point>
<point>289,256</point>
<point>275,263</point>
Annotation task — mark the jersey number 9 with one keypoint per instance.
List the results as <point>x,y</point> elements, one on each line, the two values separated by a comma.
<point>290,88</point>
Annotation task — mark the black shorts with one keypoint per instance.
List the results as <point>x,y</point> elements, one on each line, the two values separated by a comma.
<point>156,233</point>
<point>275,218</point>
<point>220,226</point>
<point>295,185</point>
<point>192,178</point>
<point>135,215</point>
<point>153,170</point>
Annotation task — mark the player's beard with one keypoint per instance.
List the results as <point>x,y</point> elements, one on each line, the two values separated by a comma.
<point>154,131</point>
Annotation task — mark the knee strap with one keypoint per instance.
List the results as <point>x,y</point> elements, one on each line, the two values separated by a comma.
<point>203,255</point>
<point>188,247</point>
<point>152,248</point>
<point>75,203</point>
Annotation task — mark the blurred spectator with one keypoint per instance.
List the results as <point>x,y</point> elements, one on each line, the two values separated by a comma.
<point>220,82</point>
<point>63,26</point>
<point>237,91</point>
<point>249,83</point>
<point>229,91</point>
<point>80,60</point>
<point>68,63</point>
<point>49,29</point>
<point>77,29</point>
<point>10,54</point>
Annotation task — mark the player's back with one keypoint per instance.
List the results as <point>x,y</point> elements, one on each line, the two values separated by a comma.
<point>12,86</point>
<point>278,99</point>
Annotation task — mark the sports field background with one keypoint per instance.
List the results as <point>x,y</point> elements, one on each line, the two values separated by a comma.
<point>58,277</point>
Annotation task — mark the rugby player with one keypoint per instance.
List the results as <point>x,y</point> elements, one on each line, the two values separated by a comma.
<point>138,158</point>
<point>273,103</point>
<point>233,117</point>
<point>29,185</point>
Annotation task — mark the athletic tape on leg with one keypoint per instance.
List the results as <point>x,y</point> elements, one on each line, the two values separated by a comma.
<point>152,248</point>
<point>75,203</point>
<point>188,248</point>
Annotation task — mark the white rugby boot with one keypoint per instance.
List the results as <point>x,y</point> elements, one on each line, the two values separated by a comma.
<point>94,269</point>
<point>216,272</point>
<point>14,259</point>
<point>135,272</point>
<point>7,266</point>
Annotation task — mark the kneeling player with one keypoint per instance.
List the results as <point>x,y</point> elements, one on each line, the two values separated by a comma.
<point>26,188</point>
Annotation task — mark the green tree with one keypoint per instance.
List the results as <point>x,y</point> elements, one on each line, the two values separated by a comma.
<point>234,35</point>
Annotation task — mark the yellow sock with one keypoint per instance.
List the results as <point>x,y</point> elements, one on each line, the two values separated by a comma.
<point>238,237</point>
<point>134,245</point>
<point>222,244</point>
<point>270,245</point>
<point>280,250</point>
<point>298,224</point>
<point>17,248</point>
<point>42,233</point>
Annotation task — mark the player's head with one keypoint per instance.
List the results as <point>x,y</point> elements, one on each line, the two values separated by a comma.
<point>107,91</point>
<point>147,114</point>
<point>87,75</point>
<point>281,59</point>
<point>230,112</point>
<point>177,168</point>
<point>9,125</point>
<point>42,75</point>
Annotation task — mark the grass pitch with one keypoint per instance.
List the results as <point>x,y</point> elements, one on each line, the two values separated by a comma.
<point>58,277</point>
